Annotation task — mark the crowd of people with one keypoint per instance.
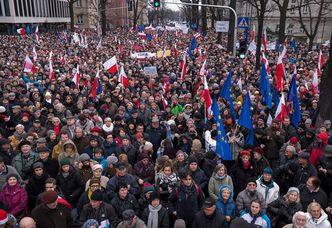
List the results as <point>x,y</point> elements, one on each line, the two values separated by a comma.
<point>144,155</point>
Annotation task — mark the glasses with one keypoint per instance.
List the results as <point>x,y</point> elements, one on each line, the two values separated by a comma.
<point>94,186</point>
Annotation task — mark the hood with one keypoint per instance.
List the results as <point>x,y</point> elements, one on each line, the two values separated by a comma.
<point>69,141</point>
<point>322,218</point>
<point>222,187</point>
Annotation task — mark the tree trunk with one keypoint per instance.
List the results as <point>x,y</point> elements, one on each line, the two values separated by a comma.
<point>232,22</point>
<point>71,12</point>
<point>311,42</point>
<point>260,18</point>
<point>103,16</point>
<point>282,21</point>
<point>325,101</point>
<point>204,20</point>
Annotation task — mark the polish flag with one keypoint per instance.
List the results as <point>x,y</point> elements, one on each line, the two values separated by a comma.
<point>142,35</point>
<point>203,69</point>
<point>175,51</point>
<point>165,103</point>
<point>76,78</point>
<point>284,51</point>
<point>34,54</point>
<point>50,57</point>
<point>280,72</point>
<point>197,35</point>
<point>96,86</point>
<point>281,111</point>
<point>111,65</point>
<point>62,59</point>
<point>21,31</point>
<point>184,67</point>
<point>36,34</point>
<point>320,63</point>
<point>123,78</point>
<point>315,82</point>
<point>264,40</point>
<point>266,62</point>
<point>167,84</point>
<point>207,97</point>
<point>51,72</point>
<point>120,47</point>
<point>28,65</point>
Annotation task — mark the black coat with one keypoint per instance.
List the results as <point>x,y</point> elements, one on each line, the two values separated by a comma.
<point>306,197</point>
<point>121,205</point>
<point>131,153</point>
<point>163,218</point>
<point>35,186</point>
<point>84,199</point>
<point>240,175</point>
<point>51,166</point>
<point>200,178</point>
<point>216,220</point>
<point>71,186</point>
<point>325,162</point>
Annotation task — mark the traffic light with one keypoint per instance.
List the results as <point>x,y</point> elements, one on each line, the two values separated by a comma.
<point>242,49</point>
<point>156,3</point>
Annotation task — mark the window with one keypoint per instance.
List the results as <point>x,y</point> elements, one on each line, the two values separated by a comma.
<point>25,8</point>
<point>78,3</point>
<point>7,9</point>
<point>33,8</point>
<point>292,9</point>
<point>29,8</point>
<point>293,1</point>
<point>79,19</point>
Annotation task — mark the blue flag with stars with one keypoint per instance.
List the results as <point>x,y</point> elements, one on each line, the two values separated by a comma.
<point>223,149</point>
<point>264,88</point>
<point>225,93</point>
<point>193,46</point>
<point>293,96</point>
<point>245,120</point>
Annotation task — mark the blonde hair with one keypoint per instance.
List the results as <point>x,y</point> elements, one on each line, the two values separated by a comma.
<point>313,204</point>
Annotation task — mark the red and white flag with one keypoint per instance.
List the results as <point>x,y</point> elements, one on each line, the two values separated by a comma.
<point>266,62</point>
<point>123,78</point>
<point>21,31</point>
<point>207,97</point>
<point>197,35</point>
<point>37,34</point>
<point>76,78</point>
<point>50,57</point>
<point>320,63</point>
<point>314,83</point>
<point>280,72</point>
<point>203,69</point>
<point>142,35</point>
<point>284,51</point>
<point>62,59</point>
<point>111,65</point>
<point>175,51</point>
<point>165,103</point>
<point>34,54</point>
<point>51,71</point>
<point>264,40</point>
<point>28,65</point>
<point>281,111</point>
<point>184,67</point>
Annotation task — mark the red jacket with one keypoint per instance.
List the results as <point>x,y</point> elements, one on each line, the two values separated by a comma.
<point>16,198</point>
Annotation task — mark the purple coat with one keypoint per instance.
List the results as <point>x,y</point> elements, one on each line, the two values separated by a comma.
<point>16,198</point>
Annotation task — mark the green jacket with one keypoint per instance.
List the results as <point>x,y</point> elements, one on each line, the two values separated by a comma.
<point>23,166</point>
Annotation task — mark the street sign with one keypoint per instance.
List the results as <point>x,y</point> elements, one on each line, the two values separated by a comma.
<point>222,26</point>
<point>243,22</point>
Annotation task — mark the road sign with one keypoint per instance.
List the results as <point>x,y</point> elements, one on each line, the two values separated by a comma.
<point>243,22</point>
<point>222,26</point>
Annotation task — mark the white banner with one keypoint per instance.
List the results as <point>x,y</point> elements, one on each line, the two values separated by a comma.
<point>142,55</point>
<point>222,26</point>
<point>150,71</point>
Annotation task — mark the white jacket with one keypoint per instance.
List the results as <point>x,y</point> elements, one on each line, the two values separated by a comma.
<point>322,222</point>
<point>269,194</point>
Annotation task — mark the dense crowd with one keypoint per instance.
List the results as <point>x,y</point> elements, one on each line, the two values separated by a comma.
<point>144,155</point>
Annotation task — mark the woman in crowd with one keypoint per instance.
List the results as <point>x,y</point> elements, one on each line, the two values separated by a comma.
<point>97,171</point>
<point>316,217</point>
<point>299,220</point>
<point>219,178</point>
<point>166,181</point>
<point>225,203</point>
<point>256,216</point>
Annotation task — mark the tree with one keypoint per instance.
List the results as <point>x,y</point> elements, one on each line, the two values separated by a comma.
<point>325,101</point>
<point>283,8</point>
<point>310,27</point>
<point>71,13</point>
<point>231,27</point>
<point>138,7</point>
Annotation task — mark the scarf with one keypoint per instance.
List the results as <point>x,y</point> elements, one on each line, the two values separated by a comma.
<point>153,216</point>
<point>246,165</point>
<point>89,194</point>
<point>65,175</point>
<point>19,137</point>
<point>220,177</point>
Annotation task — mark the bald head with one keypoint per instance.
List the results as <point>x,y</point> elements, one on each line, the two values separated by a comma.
<point>27,222</point>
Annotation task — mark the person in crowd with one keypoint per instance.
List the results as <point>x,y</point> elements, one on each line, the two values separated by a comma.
<point>70,152</point>
<point>6,151</point>
<point>144,169</point>
<point>256,216</point>
<point>14,196</point>
<point>267,187</point>
<point>130,220</point>
<point>311,192</point>
<point>155,215</point>
<point>97,171</point>
<point>219,178</point>
<point>318,148</point>
<point>245,197</point>
<point>209,163</point>
<point>180,161</point>
<point>51,214</point>
<point>6,170</point>
<point>98,157</point>
<point>225,203</point>
<point>281,210</point>
<point>197,174</point>
<point>305,170</point>
<point>27,222</point>
<point>260,162</point>
<point>186,200</point>
<point>51,166</point>
<point>324,167</point>
<point>111,162</point>
<point>58,148</point>
<point>85,167</point>
<point>316,216</point>
<point>99,210</point>
<point>209,216</point>
<point>299,220</point>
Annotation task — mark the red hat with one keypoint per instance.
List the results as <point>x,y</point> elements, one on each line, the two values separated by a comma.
<point>3,217</point>
<point>245,152</point>
<point>259,150</point>
<point>293,140</point>
<point>49,196</point>
<point>25,115</point>
<point>323,136</point>
<point>95,129</point>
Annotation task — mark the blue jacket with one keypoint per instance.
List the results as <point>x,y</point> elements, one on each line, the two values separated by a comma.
<point>229,208</point>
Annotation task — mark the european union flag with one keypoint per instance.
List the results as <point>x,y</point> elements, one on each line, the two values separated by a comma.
<point>141,28</point>
<point>293,45</point>
<point>225,92</point>
<point>193,46</point>
<point>264,88</point>
<point>293,96</point>
<point>149,36</point>
<point>275,96</point>
<point>245,120</point>
<point>222,148</point>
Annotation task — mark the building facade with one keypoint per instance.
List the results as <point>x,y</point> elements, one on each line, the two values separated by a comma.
<point>48,14</point>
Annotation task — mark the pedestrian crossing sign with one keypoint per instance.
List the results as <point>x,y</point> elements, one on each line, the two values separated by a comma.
<point>243,22</point>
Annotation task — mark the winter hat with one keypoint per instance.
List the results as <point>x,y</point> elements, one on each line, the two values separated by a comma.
<point>97,166</point>
<point>97,196</point>
<point>304,155</point>
<point>154,195</point>
<point>251,180</point>
<point>24,142</point>
<point>327,122</point>
<point>64,161</point>
<point>38,165</point>
<point>84,157</point>
<point>308,121</point>
<point>3,217</point>
<point>41,140</point>
<point>323,136</point>
<point>143,156</point>
<point>147,146</point>
<point>179,152</point>
<point>180,223</point>
<point>49,196</point>
<point>209,202</point>
<point>43,149</point>
<point>293,140</point>
<point>192,159</point>
<point>147,187</point>
<point>259,150</point>
<point>89,223</point>
<point>112,159</point>
<point>240,222</point>
<point>268,170</point>
<point>95,129</point>
<point>226,186</point>
<point>328,150</point>
<point>12,175</point>
<point>128,215</point>
<point>293,189</point>
<point>245,152</point>
<point>49,132</point>
<point>139,135</point>
<point>210,154</point>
